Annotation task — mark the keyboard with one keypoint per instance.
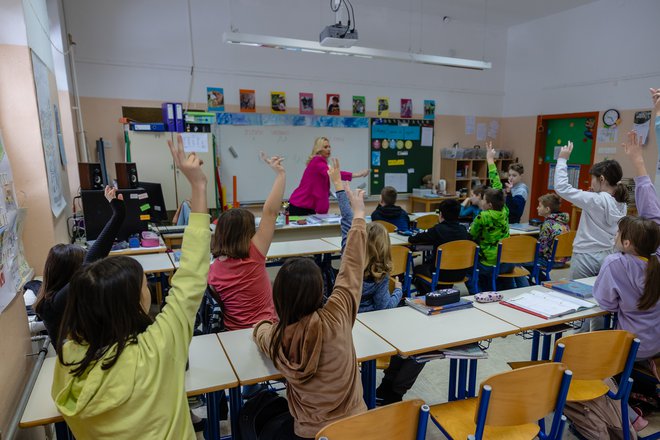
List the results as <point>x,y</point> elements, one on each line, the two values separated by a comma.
<point>175,229</point>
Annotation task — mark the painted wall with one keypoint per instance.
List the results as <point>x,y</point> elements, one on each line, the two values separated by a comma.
<point>594,57</point>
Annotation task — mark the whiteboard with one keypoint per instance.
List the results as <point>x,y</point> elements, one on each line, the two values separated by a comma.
<point>255,179</point>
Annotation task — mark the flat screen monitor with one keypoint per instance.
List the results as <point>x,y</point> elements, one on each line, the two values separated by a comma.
<point>156,201</point>
<point>97,212</point>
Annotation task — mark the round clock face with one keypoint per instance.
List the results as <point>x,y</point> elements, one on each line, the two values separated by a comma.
<point>611,117</point>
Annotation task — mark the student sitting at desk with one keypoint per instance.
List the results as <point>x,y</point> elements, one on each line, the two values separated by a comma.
<point>119,374</point>
<point>238,274</point>
<point>555,223</point>
<point>470,208</point>
<point>312,345</point>
<point>516,192</point>
<point>388,212</point>
<point>376,287</point>
<point>64,260</point>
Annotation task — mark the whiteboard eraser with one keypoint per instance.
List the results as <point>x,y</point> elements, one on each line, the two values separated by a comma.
<point>233,152</point>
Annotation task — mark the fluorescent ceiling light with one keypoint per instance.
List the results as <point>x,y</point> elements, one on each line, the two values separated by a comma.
<point>355,51</point>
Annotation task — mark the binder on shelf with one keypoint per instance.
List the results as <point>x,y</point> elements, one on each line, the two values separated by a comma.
<point>178,117</point>
<point>147,126</point>
<point>168,116</point>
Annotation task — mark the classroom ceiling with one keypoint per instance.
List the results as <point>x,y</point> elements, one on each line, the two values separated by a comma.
<point>503,13</point>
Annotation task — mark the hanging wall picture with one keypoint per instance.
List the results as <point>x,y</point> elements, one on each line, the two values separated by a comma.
<point>247,100</point>
<point>332,102</point>
<point>359,105</point>
<point>215,99</point>
<point>306,103</point>
<point>406,108</point>
<point>278,102</point>
<point>383,106</point>
<point>429,109</point>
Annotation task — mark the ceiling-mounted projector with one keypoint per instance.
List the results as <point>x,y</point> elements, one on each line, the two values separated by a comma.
<point>338,35</point>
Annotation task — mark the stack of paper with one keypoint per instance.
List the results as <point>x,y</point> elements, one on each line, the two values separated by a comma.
<point>469,351</point>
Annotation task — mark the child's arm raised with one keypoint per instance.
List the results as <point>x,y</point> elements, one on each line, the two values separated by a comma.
<point>345,298</point>
<point>172,330</point>
<point>581,199</point>
<point>264,235</point>
<point>646,199</point>
<point>103,243</point>
<point>342,200</point>
<point>493,174</point>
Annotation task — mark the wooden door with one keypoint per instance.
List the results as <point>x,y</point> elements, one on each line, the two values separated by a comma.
<point>553,132</point>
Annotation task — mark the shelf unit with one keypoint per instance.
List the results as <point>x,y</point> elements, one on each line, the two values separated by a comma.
<point>469,169</point>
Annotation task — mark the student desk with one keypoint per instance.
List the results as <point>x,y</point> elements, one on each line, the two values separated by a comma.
<point>141,250</point>
<point>251,366</point>
<point>412,332</point>
<point>209,372</point>
<point>299,248</point>
<point>428,201</point>
<point>526,321</point>
<point>161,264</point>
<point>395,240</point>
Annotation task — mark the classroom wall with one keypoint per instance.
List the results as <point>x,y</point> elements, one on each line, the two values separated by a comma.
<point>594,57</point>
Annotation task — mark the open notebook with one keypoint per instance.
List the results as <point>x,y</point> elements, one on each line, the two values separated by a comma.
<point>547,304</point>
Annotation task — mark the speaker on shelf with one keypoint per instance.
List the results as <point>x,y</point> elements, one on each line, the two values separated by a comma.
<point>127,176</point>
<point>90,175</point>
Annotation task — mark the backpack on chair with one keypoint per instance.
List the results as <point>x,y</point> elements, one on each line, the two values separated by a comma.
<point>262,416</point>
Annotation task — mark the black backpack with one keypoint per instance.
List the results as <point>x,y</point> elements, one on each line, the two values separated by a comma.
<point>262,416</point>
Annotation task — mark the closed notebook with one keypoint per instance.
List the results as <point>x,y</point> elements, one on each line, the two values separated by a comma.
<point>523,227</point>
<point>419,304</point>
<point>547,304</point>
<point>574,288</point>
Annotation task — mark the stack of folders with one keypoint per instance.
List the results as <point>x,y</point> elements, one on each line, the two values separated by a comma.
<point>469,351</point>
<point>419,304</point>
<point>574,288</point>
<point>547,304</point>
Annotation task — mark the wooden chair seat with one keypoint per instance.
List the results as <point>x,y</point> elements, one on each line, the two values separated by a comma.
<point>581,390</point>
<point>457,419</point>
<point>518,271</point>
<point>429,280</point>
<point>382,362</point>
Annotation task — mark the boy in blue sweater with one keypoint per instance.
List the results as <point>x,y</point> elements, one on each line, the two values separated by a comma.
<point>389,212</point>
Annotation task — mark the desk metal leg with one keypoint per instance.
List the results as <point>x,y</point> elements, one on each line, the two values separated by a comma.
<point>235,404</point>
<point>472,380</point>
<point>545,355</point>
<point>62,431</point>
<point>452,379</point>
<point>535,345</point>
<point>212,411</point>
<point>368,372</point>
<point>462,377</point>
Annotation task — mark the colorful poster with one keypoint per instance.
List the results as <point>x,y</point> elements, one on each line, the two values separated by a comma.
<point>247,100</point>
<point>359,105</point>
<point>429,109</point>
<point>641,124</point>
<point>332,103</point>
<point>383,106</point>
<point>406,108</point>
<point>278,102</point>
<point>215,99</point>
<point>306,103</point>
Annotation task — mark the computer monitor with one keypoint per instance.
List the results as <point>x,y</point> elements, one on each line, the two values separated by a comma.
<point>156,201</point>
<point>97,212</point>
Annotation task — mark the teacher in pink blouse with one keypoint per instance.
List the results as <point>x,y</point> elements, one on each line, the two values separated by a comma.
<point>311,196</point>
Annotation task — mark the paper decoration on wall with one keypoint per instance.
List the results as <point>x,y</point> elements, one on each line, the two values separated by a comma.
<point>247,100</point>
<point>359,105</point>
<point>608,134</point>
<point>383,106</point>
<point>215,99</point>
<point>493,128</point>
<point>406,108</point>
<point>277,102</point>
<point>375,158</point>
<point>481,132</point>
<point>641,124</point>
<point>429,109</point>
<point>589,128</point>
<point>332,104</point>
<point>306,103</point>
<point>470,123</point>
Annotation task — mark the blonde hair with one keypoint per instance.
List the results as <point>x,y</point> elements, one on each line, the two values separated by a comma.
<point>379,257</point>
<point>318,146</point>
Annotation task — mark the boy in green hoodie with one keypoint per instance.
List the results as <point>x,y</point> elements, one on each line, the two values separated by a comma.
<point>490,227</point>
<point>120,374</point>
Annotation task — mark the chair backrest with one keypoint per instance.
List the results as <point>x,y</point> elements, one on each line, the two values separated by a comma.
<point>564,245</point>
<point>457,254</point>
<point>596,355</point>
<point>400,259</point>
<point>523,396</point>
<point>399,421</point>
<point>517,249</point>
<point>427,221</point>
<point>389,227</point>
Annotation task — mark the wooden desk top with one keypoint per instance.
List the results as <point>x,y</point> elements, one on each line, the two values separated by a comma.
<point>412,332</point>
<point>209,370</point>
<point>297,248</point>
<point>527,321</point>
<point>252,366</point>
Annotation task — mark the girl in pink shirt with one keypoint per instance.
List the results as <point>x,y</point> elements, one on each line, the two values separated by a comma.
<point>311,196</point>
<point>238,273</point>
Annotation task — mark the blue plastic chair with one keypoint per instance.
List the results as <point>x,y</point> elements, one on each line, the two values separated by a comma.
<point>459,254</point>
<point>510,405</point>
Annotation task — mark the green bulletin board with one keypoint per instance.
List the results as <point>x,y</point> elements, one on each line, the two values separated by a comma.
<point>578,130</point>
<point>401,153</point>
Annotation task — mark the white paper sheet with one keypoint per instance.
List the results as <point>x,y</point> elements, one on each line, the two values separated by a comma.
<point>427,137</point>
<point>493,128</point>
<point>470,122</point>
<point>195,142</point>
<point>481,132</point>
<point>608,135</point>
<point>397,180</point>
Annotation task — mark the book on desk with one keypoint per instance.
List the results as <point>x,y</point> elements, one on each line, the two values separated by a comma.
<point>547,304</point>
<point>419,304</point>
<point>573,288</point>
<point>526,227</point>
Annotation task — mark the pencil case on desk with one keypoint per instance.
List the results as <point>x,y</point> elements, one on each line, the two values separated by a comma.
<point>487,297</point>
<point>149,239</point>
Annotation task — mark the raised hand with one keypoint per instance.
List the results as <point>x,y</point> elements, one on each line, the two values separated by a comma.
<point>356,197</point>
<point>490,152</point>
<point>362,173</point>
<point>507,187</point>
<point>655,95</point>
<point>566,150</point>
<point>275,162</point>
<point>633,149</point>
<point>397,283</point>
<point>334,172</point>
<point>111,194</point>
<point>190,166</point>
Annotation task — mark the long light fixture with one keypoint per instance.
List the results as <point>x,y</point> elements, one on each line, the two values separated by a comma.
<point>296,45</point>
